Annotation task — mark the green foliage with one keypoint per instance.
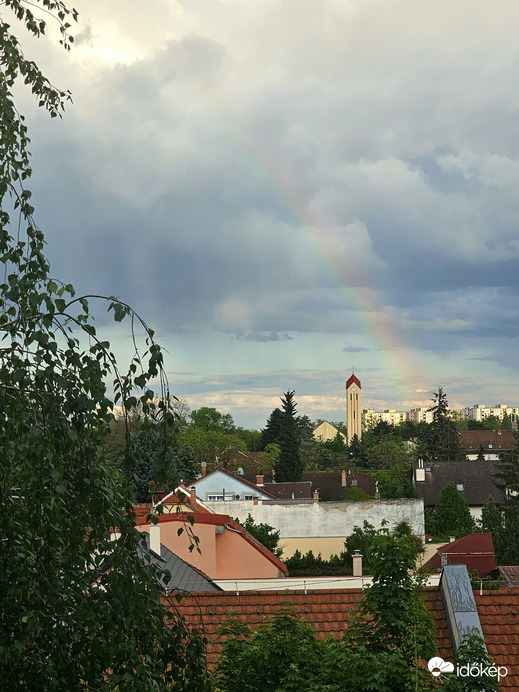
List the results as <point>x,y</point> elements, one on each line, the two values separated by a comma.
<point>383,648</point>
<point>360,539</point>
<point>212,447</point>
<point>443,437</point>
<point>209,419</point>
<point>289,466</point>
<point>281,654</point>
<point>78,609</point>
<point>264,533</point>
<point>310,565</point>
<point>355,494</point>
<point>272,430</point>
<point>503,522</point>
<point>452,516</point>
<point>337,445</point>
<point>471,651</point>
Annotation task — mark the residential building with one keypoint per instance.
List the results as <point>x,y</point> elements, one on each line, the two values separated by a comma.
<point>474,480</point>
<point>326,431</point>
<point>223,549</point>
<point>490,442</point>
<point>421,414</point>
<point>323,526</point>
<point>331,484</point>
<point>370,417</point>
<point>222,485</point>
<point>475,550</point>
<point>479,412</point>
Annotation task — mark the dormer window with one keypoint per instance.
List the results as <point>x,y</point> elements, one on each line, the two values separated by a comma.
<point>460,487</point>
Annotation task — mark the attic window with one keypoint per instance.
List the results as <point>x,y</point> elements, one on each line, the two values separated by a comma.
<point>499,446</point>
<point>490,446</point>
<point>460,487</point>
<point>353,483</point>
<point>470,446</point>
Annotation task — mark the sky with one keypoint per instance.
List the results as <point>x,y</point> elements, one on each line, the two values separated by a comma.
<point>286,189</point>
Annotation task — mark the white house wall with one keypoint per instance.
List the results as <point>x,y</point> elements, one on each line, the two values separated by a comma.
<point>218,483</point>
<point>326,519</point>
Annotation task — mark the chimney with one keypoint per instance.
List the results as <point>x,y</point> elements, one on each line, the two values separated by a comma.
<point>420,472</point>
<point>255,500</point>
<point>452,539</point>
<point>316,495</point>
<point>192,495</point>
<point>155,538</point>
<point>204,468</point>
<point>357,564</point>
<point>343,479</point>
<point>259,479</point>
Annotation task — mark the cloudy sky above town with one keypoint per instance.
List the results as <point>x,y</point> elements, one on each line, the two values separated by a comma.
<point>288,188</point>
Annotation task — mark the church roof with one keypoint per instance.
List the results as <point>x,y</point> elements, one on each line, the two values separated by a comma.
<point>353,380</point>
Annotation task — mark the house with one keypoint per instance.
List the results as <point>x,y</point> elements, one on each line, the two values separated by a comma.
<point>493,613</point>
<point>331,484</point>
<point>474,480</point>
<point>224,485</point>
<point>491,442</point>
<point>323,526</point>
<point>182,576</point>
<point>325,432</point>
<point>298,490</point>
<point>222,549</point>
<point>510,574</point>
<point>475,550</point>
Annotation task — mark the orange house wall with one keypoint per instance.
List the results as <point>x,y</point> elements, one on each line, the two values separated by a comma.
<point>238,559</point>
<point>224,555</point>
<point>206,561</point>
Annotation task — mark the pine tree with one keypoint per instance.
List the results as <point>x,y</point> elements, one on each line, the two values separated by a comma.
<point>289,466</point>
<point>272,430</point>
<point>452,516</point>
<point>443,438</point>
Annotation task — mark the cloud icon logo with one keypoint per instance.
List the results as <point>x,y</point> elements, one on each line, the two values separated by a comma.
<point>437,666</point>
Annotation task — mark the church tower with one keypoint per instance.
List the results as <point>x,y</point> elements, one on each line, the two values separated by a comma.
<point>353,409</point>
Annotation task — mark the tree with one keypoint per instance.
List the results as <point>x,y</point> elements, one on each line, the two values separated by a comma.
<point>443,436</point>
<point>376,651</point>
<point>272,430</point>
<point>212,447</point>
<point>78,609</point>
<point>264,533</point>
<point>481,453</point>
<point>289,466</point>
<point>209,419</point>
<point>452,516</point>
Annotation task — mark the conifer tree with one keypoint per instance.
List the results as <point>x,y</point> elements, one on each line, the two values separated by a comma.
<point>289,466</point>
<point>452,516</point>
<point>443,438</point>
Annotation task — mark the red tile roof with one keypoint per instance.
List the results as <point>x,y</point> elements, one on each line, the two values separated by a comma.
<point>499,617</point>
<point>327,610</point>
<point>476,550</point>
<point>510,573</point>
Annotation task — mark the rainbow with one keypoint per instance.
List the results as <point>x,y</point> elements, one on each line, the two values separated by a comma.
<point>385,334</point>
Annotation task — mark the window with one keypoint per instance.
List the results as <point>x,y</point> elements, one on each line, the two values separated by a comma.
<point>353,483</point>
<point>460,487</point>
<point>490,446</point>
<point>215,498</point>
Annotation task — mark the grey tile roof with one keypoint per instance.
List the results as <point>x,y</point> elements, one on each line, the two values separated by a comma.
<point>184,577</point>
<point>476,477</point>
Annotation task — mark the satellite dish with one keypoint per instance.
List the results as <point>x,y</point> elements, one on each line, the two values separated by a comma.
<point>236,497</point>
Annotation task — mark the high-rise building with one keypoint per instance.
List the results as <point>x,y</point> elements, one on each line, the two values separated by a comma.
<point>353,408</point>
